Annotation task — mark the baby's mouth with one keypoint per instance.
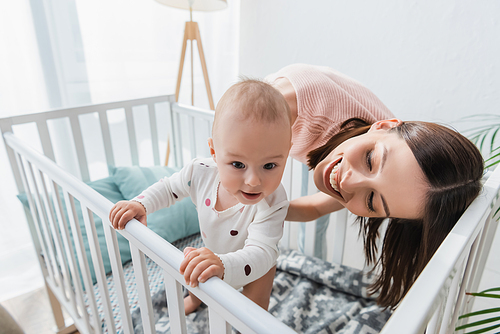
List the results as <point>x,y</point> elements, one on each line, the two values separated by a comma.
<point>250,196</point>
<point>334,177</point>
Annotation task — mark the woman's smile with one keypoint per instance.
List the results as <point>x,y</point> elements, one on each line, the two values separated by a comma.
<point>332,177</point>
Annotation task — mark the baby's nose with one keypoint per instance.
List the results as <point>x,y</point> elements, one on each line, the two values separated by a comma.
<point>252,179</point>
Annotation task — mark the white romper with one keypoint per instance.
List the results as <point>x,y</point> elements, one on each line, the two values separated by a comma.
<point>245,237</point>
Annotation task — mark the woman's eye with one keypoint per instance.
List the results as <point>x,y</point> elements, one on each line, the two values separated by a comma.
<point>238,165</point>
<point>269,165</point>
<point>369,202</point>
<point>369,159</point>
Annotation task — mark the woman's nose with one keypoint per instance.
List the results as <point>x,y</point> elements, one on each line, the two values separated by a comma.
<point>352,180</point>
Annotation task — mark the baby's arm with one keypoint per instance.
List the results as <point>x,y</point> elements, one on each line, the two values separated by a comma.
<point>123,211</point>
<point>312,207</point>
<point>199,265</point>
<point>161,194</point>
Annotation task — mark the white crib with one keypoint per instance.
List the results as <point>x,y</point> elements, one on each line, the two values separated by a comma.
<point>432,305</point>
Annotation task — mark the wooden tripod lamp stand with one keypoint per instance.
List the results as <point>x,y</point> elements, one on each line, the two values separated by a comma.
<point>192,32</point>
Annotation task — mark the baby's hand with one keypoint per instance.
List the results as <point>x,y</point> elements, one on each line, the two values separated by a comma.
<point>124,211</point>
<point>199,265</point>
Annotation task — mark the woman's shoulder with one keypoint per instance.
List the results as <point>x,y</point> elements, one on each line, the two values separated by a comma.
<point>298,69</point>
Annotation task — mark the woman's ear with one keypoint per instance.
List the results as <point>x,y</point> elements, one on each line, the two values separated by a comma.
<point>212,149</point>
<point>386,124</point>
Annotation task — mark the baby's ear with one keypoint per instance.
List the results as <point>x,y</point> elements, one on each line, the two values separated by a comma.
<point>211,146</point>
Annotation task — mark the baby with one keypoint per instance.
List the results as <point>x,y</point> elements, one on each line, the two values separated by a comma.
<point>238,193</point>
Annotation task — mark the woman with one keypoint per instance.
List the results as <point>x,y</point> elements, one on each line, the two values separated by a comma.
<point>320,100</point>
<point>422,176</point>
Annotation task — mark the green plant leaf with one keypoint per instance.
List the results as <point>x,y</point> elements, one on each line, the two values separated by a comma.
<point>493,137</point>
<point>485,136</point>
<point>478,323</point>
<point>479,294</point>
<point>490,290</point>
<point>484,330</point>
<point>490,310</point>
<point>495,160</point>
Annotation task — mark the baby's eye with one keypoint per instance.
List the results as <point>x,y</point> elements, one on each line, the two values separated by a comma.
<point>270,165</point>
<point>238,165</point>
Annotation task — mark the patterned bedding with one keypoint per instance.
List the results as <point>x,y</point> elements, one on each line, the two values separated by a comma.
<point>309,295</point>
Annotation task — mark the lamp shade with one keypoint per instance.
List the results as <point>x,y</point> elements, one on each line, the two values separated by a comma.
<point>203,5</point>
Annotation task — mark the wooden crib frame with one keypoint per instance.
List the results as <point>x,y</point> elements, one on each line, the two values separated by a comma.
<point>433,303</point>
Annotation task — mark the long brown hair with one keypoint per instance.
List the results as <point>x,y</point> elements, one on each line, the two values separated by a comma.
<point>453,167</point>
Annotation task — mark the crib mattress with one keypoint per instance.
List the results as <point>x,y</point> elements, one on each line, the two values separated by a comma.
<point>309,295</point>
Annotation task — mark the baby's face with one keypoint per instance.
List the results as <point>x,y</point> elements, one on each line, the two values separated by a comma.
<point>251,157</point>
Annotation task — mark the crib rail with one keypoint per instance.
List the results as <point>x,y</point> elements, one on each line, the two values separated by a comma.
<point>246,316</point>
<point>433,304</point>
<point>102,129</point>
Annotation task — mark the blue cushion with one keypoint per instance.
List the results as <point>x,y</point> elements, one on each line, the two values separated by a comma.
<point>173,223</point>
<point>124,183</point>
<point>108,189</point>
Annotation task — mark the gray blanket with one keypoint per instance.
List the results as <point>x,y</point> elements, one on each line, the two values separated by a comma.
<point>309,295</point>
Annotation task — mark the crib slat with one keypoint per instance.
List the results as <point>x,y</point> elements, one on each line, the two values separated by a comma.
<point>217,323</point>
<point>106,137</point>
<point>172,135</point>
<point>141,280</point>
<point>459,305</point>
<point>178,140</point>
<point>39,241</point>
<point>83,264</point>
<point>340,227</point>
<point>12,156</point>
<point>95,252</point>
<point>43,132</point>
<point>51,259</point>
<point>70,257</point>
<point>192,137</point>
<point>131,136</point>
<point>310,238</point>
<point>118,276</point>
<point>209,128</point>
<point>65,283</point>
<point>450,301</point>
<point>154,133</point>
<point>434,322</point>
<point>308,188</point>
<point>175,303</point>
<point>288,185</point>
<point>80,149</point>
<point>483,249</point>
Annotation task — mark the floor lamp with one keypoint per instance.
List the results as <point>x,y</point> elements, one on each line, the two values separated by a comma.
<point>192,32</point>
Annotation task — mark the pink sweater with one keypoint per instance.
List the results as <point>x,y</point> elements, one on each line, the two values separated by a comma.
<point>325,99</point>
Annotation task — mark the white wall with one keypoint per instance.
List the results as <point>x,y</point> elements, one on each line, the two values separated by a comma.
<point>426,60</point>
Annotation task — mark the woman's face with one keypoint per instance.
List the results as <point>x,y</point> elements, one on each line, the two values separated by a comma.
<point>374,175</point>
